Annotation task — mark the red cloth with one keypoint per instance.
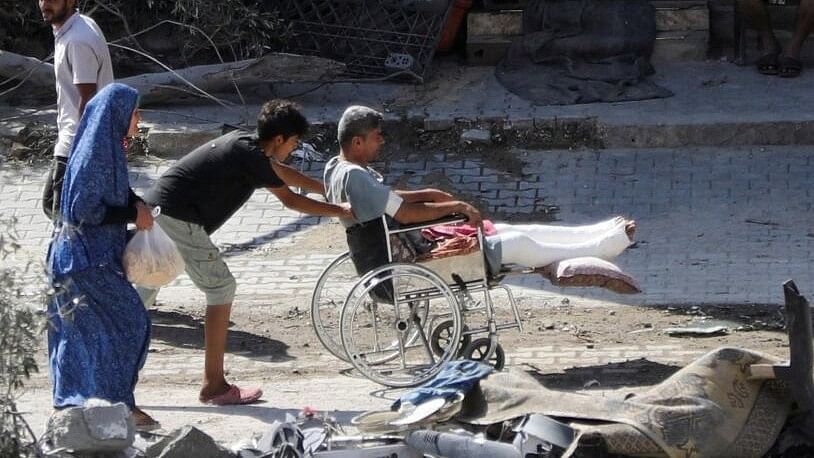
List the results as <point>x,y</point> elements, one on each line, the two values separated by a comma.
<point>458,245</point>
<point>447,231</point>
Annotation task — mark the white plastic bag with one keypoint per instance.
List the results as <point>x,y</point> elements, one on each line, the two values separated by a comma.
<point>151,259</point>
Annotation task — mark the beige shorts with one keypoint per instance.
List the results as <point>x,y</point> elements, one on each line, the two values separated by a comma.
<point>204,264</point>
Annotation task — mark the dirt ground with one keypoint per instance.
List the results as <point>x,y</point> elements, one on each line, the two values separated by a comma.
<point>283,332</point>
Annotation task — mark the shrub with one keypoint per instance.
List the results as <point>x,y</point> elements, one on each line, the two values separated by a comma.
<point>20,328</point>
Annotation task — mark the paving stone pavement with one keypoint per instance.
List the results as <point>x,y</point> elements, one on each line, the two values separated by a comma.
<point>715,225</point>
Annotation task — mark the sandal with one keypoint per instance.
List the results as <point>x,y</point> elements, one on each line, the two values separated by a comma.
<point>789,67</point>
<point>235,396</point>
<point>768,64</point>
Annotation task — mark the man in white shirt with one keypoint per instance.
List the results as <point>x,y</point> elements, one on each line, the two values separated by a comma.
<point>82,66</point>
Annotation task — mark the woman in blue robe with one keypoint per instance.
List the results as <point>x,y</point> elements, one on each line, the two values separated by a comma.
<point>99,330</point>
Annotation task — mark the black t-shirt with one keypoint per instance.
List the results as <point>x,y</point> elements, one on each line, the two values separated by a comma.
<point>211,183</point>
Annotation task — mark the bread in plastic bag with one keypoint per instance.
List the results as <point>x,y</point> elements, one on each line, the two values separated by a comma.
<point>151,259</point>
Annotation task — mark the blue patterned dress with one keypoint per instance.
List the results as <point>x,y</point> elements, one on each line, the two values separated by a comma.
<point>99,330</point>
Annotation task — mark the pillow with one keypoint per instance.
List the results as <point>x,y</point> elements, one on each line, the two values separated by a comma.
<point>589,271</point>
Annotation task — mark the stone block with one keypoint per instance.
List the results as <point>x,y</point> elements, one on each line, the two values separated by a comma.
<point>486,49</point>
<point>175,141</point>
<point>186,442</point>
<point>501,23</point>
<point>479,136</point>
<point>670,16</point>
<point>680,46</point>
<point>99,428</point>
<point>519,123</point>
<point>677,18</point>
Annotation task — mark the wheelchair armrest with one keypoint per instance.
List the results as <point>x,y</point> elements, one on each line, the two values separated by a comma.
<point>450,219</point>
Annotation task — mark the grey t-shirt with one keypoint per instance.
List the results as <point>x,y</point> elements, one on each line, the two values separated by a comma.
<point>370,198</point>
<point>362,188</point>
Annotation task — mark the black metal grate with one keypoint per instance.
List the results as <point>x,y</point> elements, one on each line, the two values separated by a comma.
<point>374,38</point>
<point>497,5</point>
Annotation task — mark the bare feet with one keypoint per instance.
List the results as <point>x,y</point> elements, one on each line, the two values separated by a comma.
<point>143,421</point>
<point>630,229</point>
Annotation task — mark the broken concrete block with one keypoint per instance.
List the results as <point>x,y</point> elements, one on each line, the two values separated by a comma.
<point>188,441</point>
<point>481,136</point>
<point>174,141</point>
<point>98,428</point>
<point>20,151</point>
<point>496,23</point>
<point>486,50</point>
<point>680,46</point>
<point>677,19</point>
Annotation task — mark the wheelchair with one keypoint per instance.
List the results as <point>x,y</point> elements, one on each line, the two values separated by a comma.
<point>398,322</point>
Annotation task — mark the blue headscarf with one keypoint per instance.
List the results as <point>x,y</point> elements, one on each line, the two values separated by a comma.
<point>95,179</point>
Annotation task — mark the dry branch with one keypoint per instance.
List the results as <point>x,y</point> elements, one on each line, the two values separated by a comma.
<point>164,86</point>
<point>18,66</point>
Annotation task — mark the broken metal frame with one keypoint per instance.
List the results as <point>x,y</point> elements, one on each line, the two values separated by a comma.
<point>375,39</point>
<point>798,372</point>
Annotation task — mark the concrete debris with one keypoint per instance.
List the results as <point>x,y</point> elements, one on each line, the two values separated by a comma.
<point>97,428</point>
<point>701,332</point>
<point>435,125</point>
<point>20,152</point>
<point>480,136</point>
<point>185,442</point>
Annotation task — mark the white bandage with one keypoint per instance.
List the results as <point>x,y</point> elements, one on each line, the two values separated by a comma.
<point>394,202</point>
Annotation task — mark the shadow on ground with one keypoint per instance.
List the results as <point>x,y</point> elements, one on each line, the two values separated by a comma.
<point>634,373</point>
<point>302,223</point>
<point>186,331</point>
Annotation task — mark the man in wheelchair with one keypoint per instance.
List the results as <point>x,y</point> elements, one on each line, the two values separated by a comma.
<point>349,179</point>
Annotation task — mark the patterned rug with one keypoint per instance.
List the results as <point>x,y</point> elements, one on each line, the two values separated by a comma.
<point>707,409</point>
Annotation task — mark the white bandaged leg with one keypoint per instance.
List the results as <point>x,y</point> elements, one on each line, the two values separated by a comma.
<point>519,248</point>
<point>544,233</point>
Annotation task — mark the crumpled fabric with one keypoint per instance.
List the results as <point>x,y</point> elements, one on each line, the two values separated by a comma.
<point>583,51</point>
<point>455,377</point>
<point>446,231</point>
<point>458,245</point>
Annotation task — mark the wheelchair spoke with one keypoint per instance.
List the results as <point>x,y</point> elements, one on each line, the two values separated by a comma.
<point>396,348</point>
<point>402,351</point>
<point>421,334</point>
<point>376,343</point>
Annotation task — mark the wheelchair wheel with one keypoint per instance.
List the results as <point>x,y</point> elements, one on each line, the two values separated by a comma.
<point>478,349</point>
<point>442,336</point>
<point>390,342</point>
<point>328,299</point>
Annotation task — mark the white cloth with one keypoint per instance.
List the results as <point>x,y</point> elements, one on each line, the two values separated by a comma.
<point>80,57</point>
<point>538,245</point>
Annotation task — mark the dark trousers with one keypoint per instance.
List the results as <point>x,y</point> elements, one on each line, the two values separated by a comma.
<point>51,195</point>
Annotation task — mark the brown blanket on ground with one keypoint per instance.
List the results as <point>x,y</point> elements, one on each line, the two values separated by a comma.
<point>707,409</point>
